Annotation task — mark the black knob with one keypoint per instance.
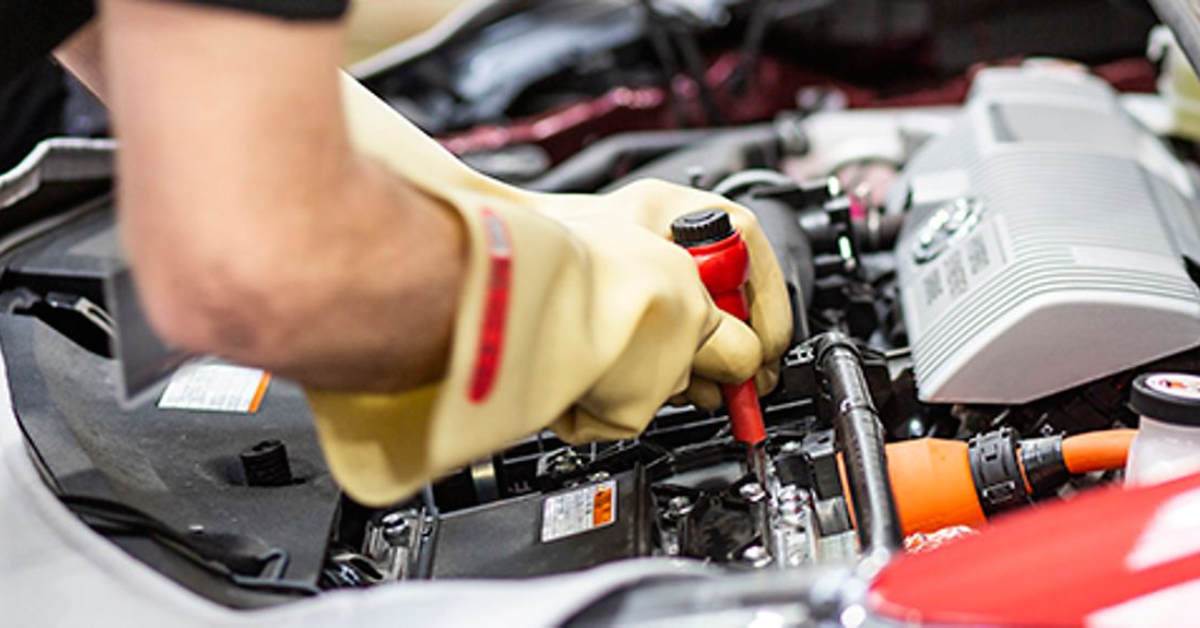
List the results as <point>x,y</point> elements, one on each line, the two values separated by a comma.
<point>266,464</point>
<point>699,228</point>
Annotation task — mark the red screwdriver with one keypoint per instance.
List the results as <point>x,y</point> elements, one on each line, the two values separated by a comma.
<point>724,264</point>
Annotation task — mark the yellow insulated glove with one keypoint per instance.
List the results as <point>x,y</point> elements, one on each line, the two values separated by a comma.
<point>577,314</point>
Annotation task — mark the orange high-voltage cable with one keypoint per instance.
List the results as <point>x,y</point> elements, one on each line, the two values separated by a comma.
<point>936,482</point>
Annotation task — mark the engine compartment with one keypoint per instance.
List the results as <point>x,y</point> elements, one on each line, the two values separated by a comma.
<point>863,208</point>
<point>821,491</point>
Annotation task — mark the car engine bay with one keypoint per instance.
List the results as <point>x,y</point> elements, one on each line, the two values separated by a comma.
<point>977,274</point>
<point>860,375</point>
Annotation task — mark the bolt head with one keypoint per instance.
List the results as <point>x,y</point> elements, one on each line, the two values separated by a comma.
<point>756,555</point>
<point>678,506</point>
<point>752,492</point>
<point>398,534</point>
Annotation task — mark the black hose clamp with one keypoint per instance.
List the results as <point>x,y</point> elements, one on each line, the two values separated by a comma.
<point>827,342</point>
<point>996,469</point>
<point>1045,468</point>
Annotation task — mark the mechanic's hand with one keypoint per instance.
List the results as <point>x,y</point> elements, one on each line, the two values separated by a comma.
<point>577,313</point>
<point>654,205</point>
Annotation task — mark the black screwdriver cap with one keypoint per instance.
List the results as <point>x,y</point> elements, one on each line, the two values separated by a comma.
<point>707,226</point>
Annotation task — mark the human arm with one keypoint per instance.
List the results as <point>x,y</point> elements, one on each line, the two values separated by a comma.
<point>254,229</point>
<point>570,312</point>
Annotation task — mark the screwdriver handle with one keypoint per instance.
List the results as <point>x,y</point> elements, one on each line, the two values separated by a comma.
<point>724,264</point>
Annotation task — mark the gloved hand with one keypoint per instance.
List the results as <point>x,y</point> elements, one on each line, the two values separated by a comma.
<point>576,313</point>
<point>653,205</point>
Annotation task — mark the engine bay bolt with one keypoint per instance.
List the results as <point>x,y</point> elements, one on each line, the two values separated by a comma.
<point>678,507</point>
<point>396,528</point>
<point>565,463</point>
<point>757,556</point>
<point>752,492</point>
<point>398,535</point>
<point>790,447</point>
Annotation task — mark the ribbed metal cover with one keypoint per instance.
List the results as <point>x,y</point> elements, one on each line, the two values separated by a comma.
<point>1045,244</point>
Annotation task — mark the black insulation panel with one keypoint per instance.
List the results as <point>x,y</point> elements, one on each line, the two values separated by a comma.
<point>504,539</point>
<point>179,466</point>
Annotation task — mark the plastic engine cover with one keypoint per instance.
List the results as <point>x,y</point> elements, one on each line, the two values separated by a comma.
<point>1046,243</point>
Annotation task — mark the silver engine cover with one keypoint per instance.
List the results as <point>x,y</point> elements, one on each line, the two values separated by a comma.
<point>1045,244</point>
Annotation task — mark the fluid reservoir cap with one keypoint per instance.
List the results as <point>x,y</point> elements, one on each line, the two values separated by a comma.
<point>1167,397</point>
<point>698,228</point>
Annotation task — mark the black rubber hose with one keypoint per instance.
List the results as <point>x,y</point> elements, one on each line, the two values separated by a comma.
<point>694,63</point>
<point>879,233</point>
<point>660,40</point>
<point>593,167</point>
<point>860,432</point>
<point>874,234</point>
<point>794,253</point>
<point>716,157</point>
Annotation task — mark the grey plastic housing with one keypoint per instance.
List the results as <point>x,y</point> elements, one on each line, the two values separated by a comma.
<point>1045,244</point>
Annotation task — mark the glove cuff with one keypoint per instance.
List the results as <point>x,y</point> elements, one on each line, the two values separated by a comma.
<point>382,448</point>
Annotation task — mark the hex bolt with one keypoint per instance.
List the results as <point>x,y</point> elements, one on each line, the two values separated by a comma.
<point>757,556</point>
<point>790,447</point>
<point>752,492</point>
<point>398,535</point>
<point>678,506</point>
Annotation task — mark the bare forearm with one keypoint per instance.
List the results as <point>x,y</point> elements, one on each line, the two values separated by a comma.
<point>349,287</point>
<point>253,228</point>
<point>83,56</point>
<point>355,288</point>
<point>359,297</point>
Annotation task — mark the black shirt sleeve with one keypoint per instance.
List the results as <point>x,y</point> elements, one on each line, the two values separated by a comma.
<point>31,29</point>
<point>287,9</point>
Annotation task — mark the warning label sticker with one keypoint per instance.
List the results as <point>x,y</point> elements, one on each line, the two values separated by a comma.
<point>579,510</point>
<point>215,388</point>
